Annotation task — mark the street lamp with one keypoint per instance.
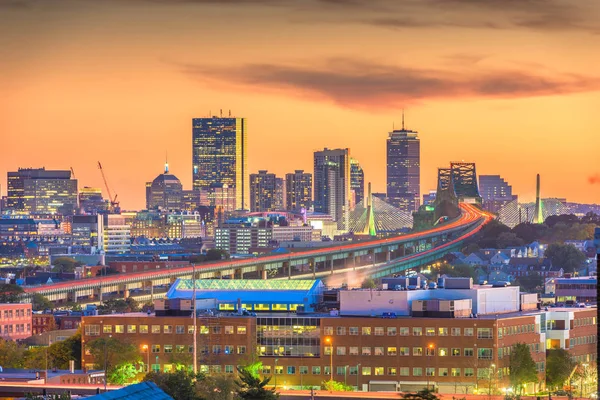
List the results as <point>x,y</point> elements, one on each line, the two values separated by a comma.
<point>430,347</point>
<point>357,374</point>
<point>491,374</point>
<point>277,359</point>
<point>345,375</point>
<point>106,362</point>
<point>147,349</point>
<point>329,341</point>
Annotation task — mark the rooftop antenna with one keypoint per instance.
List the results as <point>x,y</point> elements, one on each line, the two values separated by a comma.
<point>230,113</point>
<point>221,113</point>
<point>403,119</point>
<point>166,163</point>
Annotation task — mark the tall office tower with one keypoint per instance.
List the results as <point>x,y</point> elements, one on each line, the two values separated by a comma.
<point>263,188</point>
<point>332,184</point>
<point>357,181</point>
<point>87,232</point>
<point>165,192</point>
<point>38,191</point>
<point>279,194</point>
<point>495,192</point>
<point>219,155</point>
<point>117,234</point>
<point>91,201</point>
<point>404,169</point>
<point>190,200</point>
<point>298,190</point>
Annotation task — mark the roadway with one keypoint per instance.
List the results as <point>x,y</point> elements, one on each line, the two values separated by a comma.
<point>423,246</point>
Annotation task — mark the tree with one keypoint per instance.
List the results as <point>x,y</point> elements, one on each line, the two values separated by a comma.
<point>529,232</point>
<point>119,306</point>
<point>368,283</point>
<point>11,354</point>
<point>471,248</point>
<point>458,270</point>
<point>178,384</point>
<point>509,239</point>
<point>216,254</point>
<point>65,264</point>
<point>252,387</point>
<point>62,352</point>
<point>558,367</point>
<point>10,293</point>
<point>217,387</point>
<point>522,367</point>
<point>565,256</point>
<point>40,303</point>
<point>335,386</point>
<point>122,373</point>
<point>62,396</point>
<point>119,354</point>
<point>425,394</point>
<point>530,283</point>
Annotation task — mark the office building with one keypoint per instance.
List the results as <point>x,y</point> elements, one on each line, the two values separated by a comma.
<point>149,224</point>
<point>91,201</point>
<point>219,156</point>
<point>263,191</point>
<point>190,200</point>
<point>357,182</point>
<point>165,192</point>
<point>117,234</point>
<point>298,191</point>
<point>279,194</point>
<point>87,234</point>
<point>332,184</point>
<point>404,169</point>
<point>495,192</point>
<point>16,228</point>
<point>41,191</point>
<point>429,198</point>
<point>434,344</point>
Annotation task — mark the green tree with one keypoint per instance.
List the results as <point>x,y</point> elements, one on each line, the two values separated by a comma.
<point>216,254</point>
<point>508,239</point>
<point>119,306</point>
<point>425,394</point>
<point>178,384</point>
<point>471,248</point>
<point>522,367</point>
<point>368,283</point>
<point>335,386</point>
<point>40,303</point>
<point>458,270</point>
<point>62,396</point>
<point>10,293</point>
<point>122,373</point>
<point>36,358</point>
<point>533,282</point>
<point>12,355</point>
<point>558,367</point>
<point>65,264</point>
<point>565,256</point>
<point>252,387</point>
<point>217,387</point>
<point>62,352</point>
<point>119,354</point>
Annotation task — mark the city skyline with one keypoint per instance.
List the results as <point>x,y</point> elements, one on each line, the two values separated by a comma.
<point>127,94</point>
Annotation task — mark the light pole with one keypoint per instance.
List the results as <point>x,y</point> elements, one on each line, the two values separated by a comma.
<point>147,349</point>
<point>345,375</point>
<point>106,362</point>
<point>430,348</point>
<point>329,341</point>
<point>357,375</point>
<point>491,374</point>
<point>277,359</point>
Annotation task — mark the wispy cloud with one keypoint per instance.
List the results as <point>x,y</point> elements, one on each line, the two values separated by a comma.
<point>594,179</point>
<point>364,85</point>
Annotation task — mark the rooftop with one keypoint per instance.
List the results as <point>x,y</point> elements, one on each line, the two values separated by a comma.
<point>141,391</point>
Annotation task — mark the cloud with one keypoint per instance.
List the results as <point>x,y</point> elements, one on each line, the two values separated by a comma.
<point>364,85</point>
<point>594,179</point>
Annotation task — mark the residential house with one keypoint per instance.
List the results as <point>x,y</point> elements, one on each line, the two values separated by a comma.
<point>527,265</point>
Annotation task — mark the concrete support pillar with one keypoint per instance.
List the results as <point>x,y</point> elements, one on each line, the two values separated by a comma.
<point>355,261</point>
<point>74,296</point>
<point>314,268</point>
<point>388,256</point>
<point>100,294</point>
<point>151,292</point>
<point>263,274</point>
<point>289,270</point>
<point>125,293</point>
<point>331,264</point>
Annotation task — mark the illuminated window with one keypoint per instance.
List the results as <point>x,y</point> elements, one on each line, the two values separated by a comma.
<point>442,331</point>
<point>442,352</point>
<point>417,331</point>
<point>404,351</point>
<point>392,371</point>
<point>366,330</point>
<point>131,328</point>
<point>455,372</point>
<point>168,348</point>
<point>429,371</point>
<point>417,351</point>
<point>366,351</point>
<point>168,329</point>
<point>155,328</point>
<point>455,352</point>
<point>429,331</point>
<point>366,370</point>
<point>378,351</point>
<point>391,351</point>
<point>143,328</point>
<point>353,351</point>
<point>404,331</point>
<point>241,330</point>
<point>229,330</point>
<point>379,331</point>
<point>107,329</point>
<point>379,370</point>
<point>455,331</point>
<point>156,348</point>
<point>119,328</point>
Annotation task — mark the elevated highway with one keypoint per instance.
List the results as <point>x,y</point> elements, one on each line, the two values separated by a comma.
<point>378,257</point>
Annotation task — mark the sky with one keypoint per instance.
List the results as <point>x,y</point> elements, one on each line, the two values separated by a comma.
<point>512,85</point>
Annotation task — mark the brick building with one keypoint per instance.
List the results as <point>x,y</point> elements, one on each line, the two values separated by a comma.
<point>15,321</point>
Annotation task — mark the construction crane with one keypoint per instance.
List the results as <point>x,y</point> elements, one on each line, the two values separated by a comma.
<point>73,172</point>
<point>114,204</point>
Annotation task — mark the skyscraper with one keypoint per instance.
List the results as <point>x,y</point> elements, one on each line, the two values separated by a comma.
<point>279,194</point>
<point>357,181</point>
<point>165,192</point>
<point>91,201</point>
<point>298,190</point>
<point>495,192</point>
<point>263,188</point>
<point>41,191</point>
<point>404,169</point>
<point>219,148</point>
<point>332,184</point>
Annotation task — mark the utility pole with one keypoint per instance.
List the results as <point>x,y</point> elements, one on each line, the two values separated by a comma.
<point>105,362</point>
<point>357,375</point>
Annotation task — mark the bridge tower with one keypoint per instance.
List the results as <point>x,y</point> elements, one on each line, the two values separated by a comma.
<point>538,216</point>
<point>464,180</point>
<point>446,203</point>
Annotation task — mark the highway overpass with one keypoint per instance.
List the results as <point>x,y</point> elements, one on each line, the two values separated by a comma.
<point>380,257</point>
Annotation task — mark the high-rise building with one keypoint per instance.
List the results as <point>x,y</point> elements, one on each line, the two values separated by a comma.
<point>165,192</point>
<point>279,194</point>
<point>263,188</point>
<point>298,190</point>
<point>404,169</point>
<point>495,192</point>
<point>219,155</point>
<point>190,200</point>
<point>41,191</point>
<point>91,201</point>
<point>117,234</point>
<point>357,181</point>
<point>332,184</point>
<point>87,232</point>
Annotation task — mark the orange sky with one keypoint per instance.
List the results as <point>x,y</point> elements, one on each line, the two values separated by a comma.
<point>512,85</point>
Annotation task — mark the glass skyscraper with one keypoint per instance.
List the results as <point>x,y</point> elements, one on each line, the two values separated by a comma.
<point>219,156</point>
<point>404,169</point>
<point>357,181</point>
<point>298,190</point>
<point>332,184</point>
